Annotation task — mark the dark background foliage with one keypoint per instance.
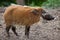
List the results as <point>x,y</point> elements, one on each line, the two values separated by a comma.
<point>35,2</point>
<point>6,2</point>
<point>44,3</point>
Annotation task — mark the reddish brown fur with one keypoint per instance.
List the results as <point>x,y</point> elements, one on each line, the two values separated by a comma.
<point>21,15</point>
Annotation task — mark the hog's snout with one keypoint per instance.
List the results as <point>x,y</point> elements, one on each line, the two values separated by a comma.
<point>48,17</point>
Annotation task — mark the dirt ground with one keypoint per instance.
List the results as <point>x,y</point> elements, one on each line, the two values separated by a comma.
<point>43,30</point>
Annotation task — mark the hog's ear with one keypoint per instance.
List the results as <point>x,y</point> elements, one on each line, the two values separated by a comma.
<point>34,11</point>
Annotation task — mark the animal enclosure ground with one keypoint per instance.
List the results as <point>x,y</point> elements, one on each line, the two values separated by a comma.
<point>43,30</point>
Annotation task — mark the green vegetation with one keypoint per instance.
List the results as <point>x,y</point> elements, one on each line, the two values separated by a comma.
<point>44,3</point>
<point>34,2</point>
<point>6,2</point>
<point>52,4</point>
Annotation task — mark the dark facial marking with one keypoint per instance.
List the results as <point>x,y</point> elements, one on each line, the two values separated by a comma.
<point>43,11</point>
